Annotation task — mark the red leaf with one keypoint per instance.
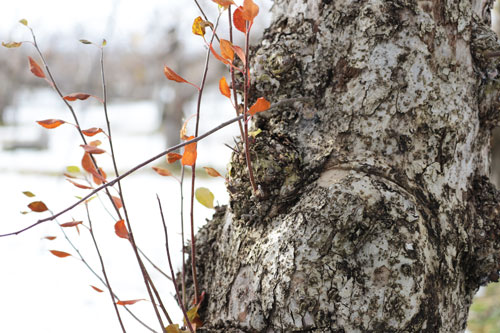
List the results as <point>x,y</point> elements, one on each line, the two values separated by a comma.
<point>92,131</point>
<point>35,68</point>
<point>226,49</point>
<point>51,123</point>
<point>37,206</point>
<point>261,105</point>
<point>224,88</point>
<point>172,157</point>
<point>240,53</point>
<point>171,75</point>
<point>71,224</point>
<point>117,201</point>
<point>238,20</point>
<point>89,166</point>
<point>92,149</point>
<point>85,187</point>
<point>189,156</point>
<point>102,179</point>
<point>50,237</point>
<point>162,171</point>
<point>97,289</point>
<point>121,230</point>
<point>130,302</point>
<point>74,96</point>
<point>59,254</point>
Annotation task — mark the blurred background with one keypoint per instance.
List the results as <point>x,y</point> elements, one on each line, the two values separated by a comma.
<point>42,293</point>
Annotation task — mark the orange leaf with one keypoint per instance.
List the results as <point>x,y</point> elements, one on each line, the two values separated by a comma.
<point>224,88</point>
<point>99,181</point>
<point>59,254</point>
<point>162,171</point>
<point>50,237</point>
<point>121,230</point>
<point>218,57</point>
<point>212,172</point>
<point>85,187</point>
<point>189,156</point>
<point>238,20</point>
<point>117,201</point>
<point>89,166</point>
<point>224,3</point>
<point>97,289</point>
<point>250,10</point>
<point>172,157</point>
<point>35,68</point>
<point>71,224</point>
<point>226,49</point>
<point>37,206</point>
<point>74,96</point>
<point>92,131</point>
<point>95,143</point>
<point>51,123</point>
<point>239,52</point>
<point>261,105</point>
<point>92,149</point>
<point>130,302</point>
<point>171,75</point>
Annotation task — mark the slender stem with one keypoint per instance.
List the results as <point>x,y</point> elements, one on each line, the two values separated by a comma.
<point>206,19</point>
<point>245,107</point>
<point>183,240</point>
<point>172,270</point>
<point>152,263</point>
<point>193,168</point>
<point>231,69</point>
<point>104,270</point>
<point>148,161</point>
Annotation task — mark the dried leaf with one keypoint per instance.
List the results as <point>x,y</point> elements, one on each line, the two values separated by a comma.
<point>60,254</point>
<point>238,20</point>
<point>184,128</point>
<point>226,49</point>
<point>130,302</point>
<point>189,156</point>
<point>35,68</point>
<point>71,224</point>
<point>23,22</point>
<point>50,237</point>
<point>212,172</point>
<point>37,206</point>
<point>97,289</point>
<point>240,53</point>
<point>92,131</point>
<point>95,143</point>
<point>162,171</point>
<point>92,149</point>
<point>198,28</point>
<point>121,230</point>
<point>28,194</point>
<point>224,3</point>
<point>250,10</point>
<point>173,157</point>
<point>74,96</point>
<point>102,179</point>
<point>11,45</point>
<point>173,328</point>
<point>89,166</point>
<point>85,187</point>
<point>171,75</point>
<point>51,123</point>
<point>255,133</point>
<point>224,87</point>
<point>205,197</point>
<point>261,105</point>
<point>84,41</point>
<point>117,201</point>
<point>218,57</point>
<point>194,317</point>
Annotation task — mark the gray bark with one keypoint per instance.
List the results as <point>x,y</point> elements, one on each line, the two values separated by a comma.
<point>375,211</point>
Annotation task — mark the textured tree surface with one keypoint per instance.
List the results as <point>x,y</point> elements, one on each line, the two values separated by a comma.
<point>375,212</point>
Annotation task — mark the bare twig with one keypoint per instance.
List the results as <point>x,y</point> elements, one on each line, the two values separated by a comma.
<point>183,239</point>
<point>172,270</point>
<point>104,270</point>
<point>231,70</point>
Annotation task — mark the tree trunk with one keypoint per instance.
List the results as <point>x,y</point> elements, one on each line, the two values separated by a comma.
<point>375,212</point>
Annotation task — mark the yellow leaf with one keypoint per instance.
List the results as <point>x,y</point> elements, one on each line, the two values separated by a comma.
<point>255,133</point>
<point>198,28</point>
<point>205,197</point>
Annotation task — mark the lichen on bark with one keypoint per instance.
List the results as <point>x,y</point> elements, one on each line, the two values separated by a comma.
<point>376,213</point>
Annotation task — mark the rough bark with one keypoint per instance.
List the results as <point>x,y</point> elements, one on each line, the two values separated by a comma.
<point>375,213</point>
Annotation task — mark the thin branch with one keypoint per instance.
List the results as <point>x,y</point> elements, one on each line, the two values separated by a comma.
<point>172,270</point>
<point>104,270</point>
<point>183,240</point>
<point>231,70</point>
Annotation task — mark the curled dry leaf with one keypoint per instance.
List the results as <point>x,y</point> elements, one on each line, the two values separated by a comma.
<point>92,131</point>
<point>190,154</point>
<point>11,45</point>
<point>35,68</point>
<point>84,41</point>
<point>226,50</point>
<point>173,157</point>
<point>97,289</point>
<point>102,179</point>
<point>89,166</point>
<point>50,123</point>
<point>60,254</point>
<point>92,149</point>
<point>162,171</point>
<point>171,75</point>
<point>184,128</point>
<point>240,53</point>
<point>129,302</point>
<point>224,87</point>
<point>71,224</point>
<point>50,237</point>
<point>74,96</point>
<point>121,230</point>
<point>198,27</point>
<point>212,172</point>
<point>28,194</point>
<point>85,187</point>
<point>117,201</point>
<point>38,206</point>
<point>261,105</point>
